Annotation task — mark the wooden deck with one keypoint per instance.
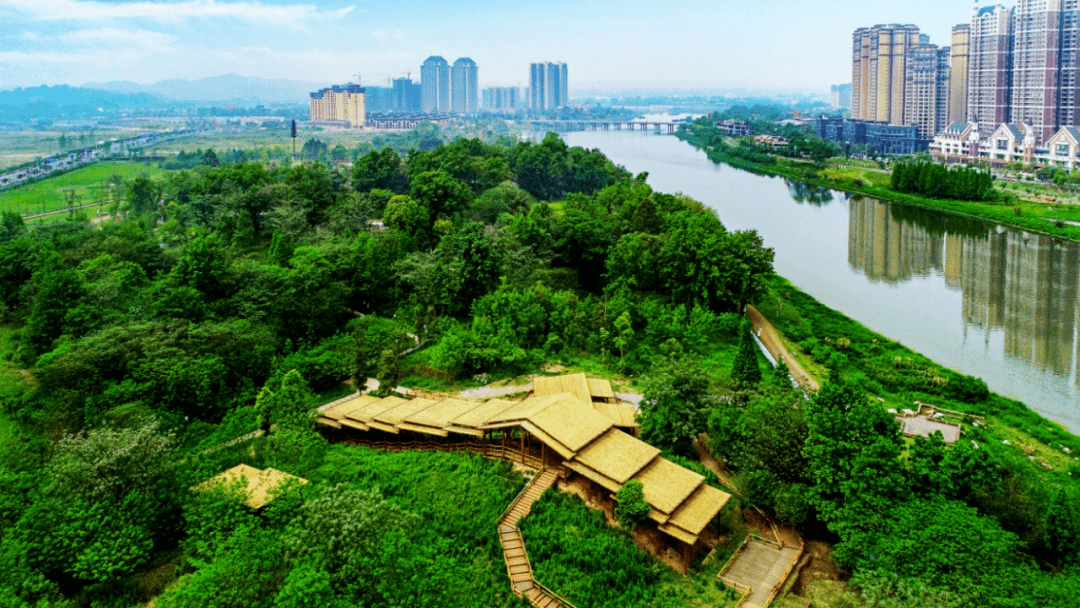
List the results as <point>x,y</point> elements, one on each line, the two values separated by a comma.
<point>762,568</point>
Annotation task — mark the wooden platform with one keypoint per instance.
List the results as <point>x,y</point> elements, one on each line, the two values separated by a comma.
<point>518,567</point>
<point>761,567</point>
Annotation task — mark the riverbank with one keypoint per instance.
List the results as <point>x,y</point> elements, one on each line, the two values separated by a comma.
<point>1057,220</point>
<point>826,342</point>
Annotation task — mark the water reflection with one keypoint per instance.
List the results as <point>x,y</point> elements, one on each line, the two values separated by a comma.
<point>1025,285</point>
<point>803,192</point>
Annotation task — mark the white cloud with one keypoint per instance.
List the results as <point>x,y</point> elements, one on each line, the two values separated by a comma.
<point>86,10</point>
<point>139,38</point>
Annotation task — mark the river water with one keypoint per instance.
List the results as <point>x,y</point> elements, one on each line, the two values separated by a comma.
<point>993,302</point>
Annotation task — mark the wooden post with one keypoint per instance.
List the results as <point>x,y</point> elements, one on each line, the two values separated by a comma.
<point>522,431</point>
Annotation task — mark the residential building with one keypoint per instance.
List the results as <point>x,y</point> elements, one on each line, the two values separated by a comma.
<point>435,85</point>
<point>464,91</point>
<point>926,95</point>
<point>406,96</point>
<point>959,142</point>
<point>879,72</point>
<point>958,74</point>
<point>1063,149</point>
<point>548,85</point>
<point>840,97</point>
<point>734,128</point>
<point>378,99</point>
<point>501,99</point>
<point>990,65</point>
<point>881,136</point>
<point>339,103</point>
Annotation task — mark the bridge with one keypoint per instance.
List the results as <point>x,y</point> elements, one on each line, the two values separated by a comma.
<point>605,125</point>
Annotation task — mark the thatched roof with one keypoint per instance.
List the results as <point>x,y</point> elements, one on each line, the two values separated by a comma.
<point>347,406</point>
<point>600,389</point>
<point>258,485</point>
<point>397,415</point>
<point>520,411</point>
<point>667,484</point>
<point>479,416</point>
<point>622,414</point>
<point>368,412</point>
<point>442,413</point>
<point>697,511</point>
<point>617,456</point>
<point>575,384</point>
<point>570,424</point>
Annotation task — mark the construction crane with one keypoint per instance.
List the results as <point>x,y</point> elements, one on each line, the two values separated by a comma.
<point>361,83</point>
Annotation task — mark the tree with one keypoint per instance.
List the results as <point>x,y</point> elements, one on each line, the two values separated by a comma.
<point>441,193</point>
<point>286,405</point>
<point>202,264</point>
<point>624,336</point>
<point>105,463</point>
<point>407,215</point>
<point>143,195</point>
<point>389,374</point>
<point>631,507</point>
<point>852,451</point>
<point>676,405</point>
<point>746,372</point>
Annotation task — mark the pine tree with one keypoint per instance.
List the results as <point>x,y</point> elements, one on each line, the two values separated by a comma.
<point>746,371</point>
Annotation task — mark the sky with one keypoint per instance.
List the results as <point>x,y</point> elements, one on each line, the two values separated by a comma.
<point>608,45</point>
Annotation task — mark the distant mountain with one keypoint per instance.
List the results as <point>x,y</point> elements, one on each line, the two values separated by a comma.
<point>228,88</point>
<point>36,103</point>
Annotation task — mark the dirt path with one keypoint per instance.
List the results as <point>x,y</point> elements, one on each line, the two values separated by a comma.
<point>775,345</point>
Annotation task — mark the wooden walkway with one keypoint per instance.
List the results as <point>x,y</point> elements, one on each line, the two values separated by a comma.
<point>517,558</point>
<point>763,568</point>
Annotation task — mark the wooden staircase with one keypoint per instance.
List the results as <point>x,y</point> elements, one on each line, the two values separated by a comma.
<point>517,559</point>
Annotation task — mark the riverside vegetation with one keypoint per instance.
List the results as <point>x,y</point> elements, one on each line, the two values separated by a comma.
<point>233,297</point>
<point>815,161</point>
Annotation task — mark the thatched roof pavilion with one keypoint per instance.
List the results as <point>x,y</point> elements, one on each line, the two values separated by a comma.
<point>569,432</point>
<point>258,484</point>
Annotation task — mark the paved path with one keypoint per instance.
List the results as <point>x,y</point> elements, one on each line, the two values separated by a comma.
<point>771,339</point>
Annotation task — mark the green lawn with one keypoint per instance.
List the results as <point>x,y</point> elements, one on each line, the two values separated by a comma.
<point>91,185</point>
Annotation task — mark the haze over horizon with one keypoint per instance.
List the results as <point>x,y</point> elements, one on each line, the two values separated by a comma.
<point>787,45</point>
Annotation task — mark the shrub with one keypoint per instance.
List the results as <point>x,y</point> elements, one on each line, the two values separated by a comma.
<point>632,507</point>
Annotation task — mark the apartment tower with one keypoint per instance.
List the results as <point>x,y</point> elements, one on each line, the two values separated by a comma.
<point>879,71</point>
<point>958,62</point>
<point>464,91</point>
<point>435,85</point>
<point>926,93</point>
<point>343,103</point>
<point>548,87</point>
<point>989,66</point>
<point>1044,65</point>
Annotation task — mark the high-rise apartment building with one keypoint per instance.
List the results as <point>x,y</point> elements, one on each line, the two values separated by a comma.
<point>990,65</point>
<point>958,62</point>
<point>501,99</point>
<point>548,85</point>
<point>840,96</point>
<point>378,99</point>
<point>926,94</point>
<point>464,90</point>
<point>406,96</point>
<point>879,71</point>
<point>1044,65</point>
<point>435,85</point>
<point>340,103</point>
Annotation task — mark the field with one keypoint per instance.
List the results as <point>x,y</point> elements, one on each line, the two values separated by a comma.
<point>91,184</point>
<point>18,147</point>
<point>261,139</point>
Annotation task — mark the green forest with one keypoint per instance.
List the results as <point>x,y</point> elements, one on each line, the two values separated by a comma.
<point>231,298</point>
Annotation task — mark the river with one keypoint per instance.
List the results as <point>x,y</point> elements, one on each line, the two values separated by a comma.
<point>990,301</point>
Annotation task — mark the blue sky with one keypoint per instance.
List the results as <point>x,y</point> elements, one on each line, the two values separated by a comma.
<point>756,44</point>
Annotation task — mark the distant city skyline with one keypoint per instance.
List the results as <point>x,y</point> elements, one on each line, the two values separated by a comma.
<point>612,46</point>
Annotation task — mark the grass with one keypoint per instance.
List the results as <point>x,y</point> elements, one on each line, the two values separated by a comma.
<point>91,184</point>
<point>18,147</point>
<point>263,139</point>
<point>820,593</point>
